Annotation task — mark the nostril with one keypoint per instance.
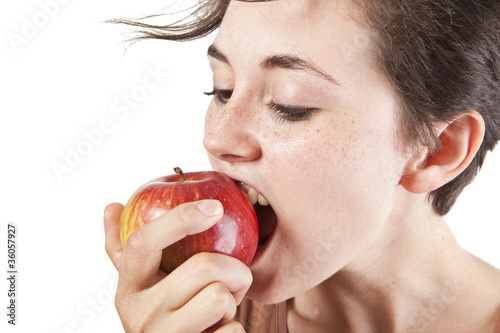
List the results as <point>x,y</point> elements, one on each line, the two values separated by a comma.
<point>231,158</point>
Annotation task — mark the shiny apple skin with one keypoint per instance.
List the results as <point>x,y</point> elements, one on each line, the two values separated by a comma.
<point>236,234</point>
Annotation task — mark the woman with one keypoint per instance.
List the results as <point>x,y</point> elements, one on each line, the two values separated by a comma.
<point>359,122</point>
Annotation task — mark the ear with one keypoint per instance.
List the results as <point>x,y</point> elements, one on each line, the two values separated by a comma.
<point>460,141</point>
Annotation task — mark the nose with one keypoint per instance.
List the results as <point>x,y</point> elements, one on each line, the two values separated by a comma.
<point>230,135</point>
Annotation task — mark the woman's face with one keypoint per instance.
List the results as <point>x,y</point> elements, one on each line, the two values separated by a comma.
<point>301,115</point>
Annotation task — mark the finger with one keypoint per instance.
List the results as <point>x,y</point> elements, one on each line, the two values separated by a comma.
<point>212,305</point>
<point>230,327</point>
<point>199,271</point>
<point>113,243</point>
<point>143,250</point>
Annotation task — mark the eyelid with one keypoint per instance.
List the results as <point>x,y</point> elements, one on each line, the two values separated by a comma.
<point>282,112</point>
<point>291,113</point>
<point>219,95</point>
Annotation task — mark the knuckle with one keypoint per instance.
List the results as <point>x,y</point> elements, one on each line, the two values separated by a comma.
<point>230,327</point>
<point>220,297</point>
<point>137,242</point>
<point>236,327</point>
<point>185,212</point>
<point>137,325</point>
<point>206,264</point>
<point>247,277</point>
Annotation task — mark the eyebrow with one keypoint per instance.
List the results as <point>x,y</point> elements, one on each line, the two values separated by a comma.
<point>286,61</point>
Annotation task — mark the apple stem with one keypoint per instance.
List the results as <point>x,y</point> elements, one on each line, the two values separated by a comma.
<point>179,172</point>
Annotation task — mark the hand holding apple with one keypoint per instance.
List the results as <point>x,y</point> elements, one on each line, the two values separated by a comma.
<point>236,234</point>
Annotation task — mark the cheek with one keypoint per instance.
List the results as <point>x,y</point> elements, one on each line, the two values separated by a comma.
<point>207,129</point>
<point>321,158</point>
<point>334,199</point>
<point>342,181</point>
<point>211,117</point>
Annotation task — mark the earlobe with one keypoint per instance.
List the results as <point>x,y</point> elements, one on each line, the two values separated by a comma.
<point>460,141</point>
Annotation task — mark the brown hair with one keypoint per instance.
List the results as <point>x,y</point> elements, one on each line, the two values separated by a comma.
<point>441,56</point>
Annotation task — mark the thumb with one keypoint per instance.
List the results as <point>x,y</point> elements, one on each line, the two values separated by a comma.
<point>113,243</point>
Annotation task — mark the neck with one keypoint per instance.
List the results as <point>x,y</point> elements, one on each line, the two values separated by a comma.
<point>416,281</point>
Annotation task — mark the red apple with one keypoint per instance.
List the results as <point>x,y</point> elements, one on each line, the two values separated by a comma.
<point>236,234</point>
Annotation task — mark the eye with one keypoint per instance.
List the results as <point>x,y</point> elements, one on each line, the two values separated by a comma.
<point>221,96</point>
<point>290,113</point>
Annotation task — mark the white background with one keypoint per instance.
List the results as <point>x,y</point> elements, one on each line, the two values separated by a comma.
<point>63,75</point>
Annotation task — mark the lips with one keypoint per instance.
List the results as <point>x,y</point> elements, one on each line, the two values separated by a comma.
<point>265,213</point>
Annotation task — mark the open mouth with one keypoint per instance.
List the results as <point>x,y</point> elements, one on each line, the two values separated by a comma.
<point>265,213</point>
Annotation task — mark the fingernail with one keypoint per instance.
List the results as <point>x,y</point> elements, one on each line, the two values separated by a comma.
<point>210,208</point>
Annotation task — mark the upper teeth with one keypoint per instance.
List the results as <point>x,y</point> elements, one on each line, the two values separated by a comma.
<point>253,195</point>
<point>256,197</point>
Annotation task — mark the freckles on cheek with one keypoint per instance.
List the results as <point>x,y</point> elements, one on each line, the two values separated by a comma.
<point>305,157</point>
<point>331,162</point>
<point>293,152</point>
<point>209,119</point>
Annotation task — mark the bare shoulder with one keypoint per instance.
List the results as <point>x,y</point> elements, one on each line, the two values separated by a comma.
<point>487,301</point>
<point>489,275</point>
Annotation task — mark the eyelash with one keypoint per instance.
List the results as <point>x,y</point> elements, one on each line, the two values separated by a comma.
<point>219,97</point>
<point>284,113</point>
